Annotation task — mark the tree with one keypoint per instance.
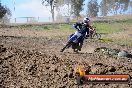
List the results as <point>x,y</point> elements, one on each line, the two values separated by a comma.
<point>76,6</point>
<point>104,8</point>
<point>93,8</point>
<point>114,7</point>
<point>64,7</point>
<point>52,4</point>
<point>60,5</point>
<point>5,13</point>
<point>123,4</point>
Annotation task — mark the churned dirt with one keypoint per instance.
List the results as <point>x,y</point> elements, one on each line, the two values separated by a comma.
<point>32,59</point>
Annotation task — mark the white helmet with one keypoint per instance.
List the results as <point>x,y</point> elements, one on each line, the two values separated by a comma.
<point>85,20</point>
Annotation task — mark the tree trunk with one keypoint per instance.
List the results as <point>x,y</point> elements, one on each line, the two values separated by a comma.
<point>52,13</point>
<point>104,8</point>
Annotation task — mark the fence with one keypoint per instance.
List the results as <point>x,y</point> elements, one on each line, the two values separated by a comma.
<point>37,19</point>
<point>29,19</point>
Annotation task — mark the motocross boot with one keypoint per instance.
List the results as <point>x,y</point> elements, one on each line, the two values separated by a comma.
<point>75,50</point>
<point>80,46</point>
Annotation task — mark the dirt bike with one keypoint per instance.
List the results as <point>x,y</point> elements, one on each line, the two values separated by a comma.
<point>74,42</point>
<point>93,34</point>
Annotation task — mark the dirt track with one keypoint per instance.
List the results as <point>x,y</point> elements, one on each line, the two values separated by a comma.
<point>31,59</point>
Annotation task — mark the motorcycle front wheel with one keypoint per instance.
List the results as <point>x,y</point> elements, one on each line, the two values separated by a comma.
<point>66,46</point>
<point>96,36</point>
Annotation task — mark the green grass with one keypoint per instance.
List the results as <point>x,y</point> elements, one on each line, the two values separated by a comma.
<point>129,21</point>
<point>104,28</point>
<point>61,27</point>
<point>126,41</point>
<point>105,40</point>
<point>57,27</point>
<point>115,27</point>
<point>108,27</point>
<point>66,27</point>
<point>101,27</point>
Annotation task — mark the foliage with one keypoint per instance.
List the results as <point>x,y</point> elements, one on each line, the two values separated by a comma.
<point>5,13</point>
<point>63,8</point>
<point>52,4</point>
<point>93,8</point>
<point>114,6</point>
<point>76,6</point>
<point>4,10</point>
<point>104,10</point>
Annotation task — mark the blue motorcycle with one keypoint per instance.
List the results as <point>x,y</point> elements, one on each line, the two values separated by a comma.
<point>74,41</point>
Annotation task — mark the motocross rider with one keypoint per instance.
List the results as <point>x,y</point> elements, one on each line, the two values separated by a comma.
<point>84,29</point>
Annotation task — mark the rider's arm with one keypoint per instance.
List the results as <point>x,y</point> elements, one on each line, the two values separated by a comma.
<point>76,26</point>
<point>92,28</point>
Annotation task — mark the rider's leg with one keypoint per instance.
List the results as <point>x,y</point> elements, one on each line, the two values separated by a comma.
<point>80,44</point>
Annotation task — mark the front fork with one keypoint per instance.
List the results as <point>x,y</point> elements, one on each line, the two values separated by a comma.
<point>66,46</point>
